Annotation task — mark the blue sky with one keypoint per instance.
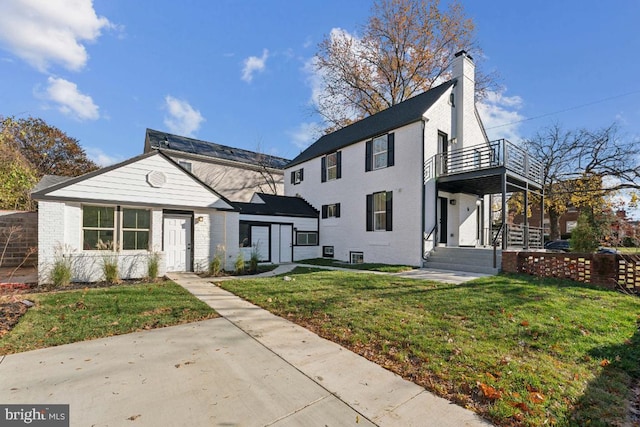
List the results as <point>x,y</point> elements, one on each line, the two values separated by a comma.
<point>237,72</point>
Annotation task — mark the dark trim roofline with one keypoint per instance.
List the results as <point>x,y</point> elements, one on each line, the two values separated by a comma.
<point>44,193</point>
<point>402,114</point>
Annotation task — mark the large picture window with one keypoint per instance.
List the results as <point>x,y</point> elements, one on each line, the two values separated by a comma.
<point>111,228</point>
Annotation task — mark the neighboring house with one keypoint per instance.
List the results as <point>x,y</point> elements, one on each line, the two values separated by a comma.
<point>280,229</point>
<point>235,173</point>
<point>145,205</point>
<point>395,185</point>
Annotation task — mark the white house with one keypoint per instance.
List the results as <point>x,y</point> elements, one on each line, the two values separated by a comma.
<point>235,173</point>
<point>416,176</point>
<point>281,229</point>
<point>144,205</point>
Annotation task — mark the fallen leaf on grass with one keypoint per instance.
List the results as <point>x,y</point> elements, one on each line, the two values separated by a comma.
<point>605,362</point>
<point>524,323</point>
<point>536,397</point>
<point>489,392</point>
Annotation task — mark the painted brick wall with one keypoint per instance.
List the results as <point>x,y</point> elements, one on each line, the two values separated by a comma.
<point>18,233</point>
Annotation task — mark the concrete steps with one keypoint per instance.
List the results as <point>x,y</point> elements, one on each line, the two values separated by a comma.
<point>475,260</point>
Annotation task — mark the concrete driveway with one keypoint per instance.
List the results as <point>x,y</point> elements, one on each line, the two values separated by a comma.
<point>207,373</point>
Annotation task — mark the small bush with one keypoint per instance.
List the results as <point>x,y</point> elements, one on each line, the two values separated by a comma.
<point>253,261</point>
<point>216,264</point>
<point>153,266</point>
<point>583,237</point>
<point>239,263</point>
<point>109,262</point>
<point>61,272</point>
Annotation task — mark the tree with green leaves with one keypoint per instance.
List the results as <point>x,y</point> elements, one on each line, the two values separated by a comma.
<point>404,49</point>
<point>17,177</point>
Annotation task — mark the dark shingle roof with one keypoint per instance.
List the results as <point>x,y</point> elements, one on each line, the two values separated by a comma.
<point>49,181</point>
<point>165,141</point>
<point>277,205</point>
<point>393,117</point>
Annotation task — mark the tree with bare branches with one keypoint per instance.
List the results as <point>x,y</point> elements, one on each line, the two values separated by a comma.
<point>406,48</point>
<point>582,168</point>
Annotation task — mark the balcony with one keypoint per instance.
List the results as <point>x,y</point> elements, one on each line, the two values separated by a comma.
<point>479,169</point>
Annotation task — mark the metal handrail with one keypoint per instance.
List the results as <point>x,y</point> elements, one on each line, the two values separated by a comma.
<point>494,243</point>
<point>435,227</point>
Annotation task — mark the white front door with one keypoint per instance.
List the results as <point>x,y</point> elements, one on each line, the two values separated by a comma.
<point>286,232</point>
<point>177,242</point>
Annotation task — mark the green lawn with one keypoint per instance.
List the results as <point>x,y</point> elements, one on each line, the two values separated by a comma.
<point>70,316</point>
<point>386,268</point>
<point>518,350</point>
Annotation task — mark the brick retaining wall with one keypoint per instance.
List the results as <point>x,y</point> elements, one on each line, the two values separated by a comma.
<point>25,236</point>
<point>606,270</point>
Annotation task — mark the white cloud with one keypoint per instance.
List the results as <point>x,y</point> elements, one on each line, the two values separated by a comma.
<point>253,65</point>
<point>182,118</point>
<point>50,31</point>
<point>500,115</point>
<point>305,134</point>
<point>101,158</point>
<point>70,101</point>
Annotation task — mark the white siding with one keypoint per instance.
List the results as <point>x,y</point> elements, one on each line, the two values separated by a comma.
<point>348,233</point>
<point>128,184</point>
<point>237,183</point>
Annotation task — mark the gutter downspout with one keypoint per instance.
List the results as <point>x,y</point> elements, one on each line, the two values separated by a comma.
<point>424,190</point>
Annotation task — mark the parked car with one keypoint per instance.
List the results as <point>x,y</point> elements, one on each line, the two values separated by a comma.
<point>557,246</point>
<point>608,251</point>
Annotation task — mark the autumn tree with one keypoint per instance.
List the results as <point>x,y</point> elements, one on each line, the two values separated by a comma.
<point>582,168</point>
<point>48,149</point>
<point>17,177</point>
<point>404,49</point>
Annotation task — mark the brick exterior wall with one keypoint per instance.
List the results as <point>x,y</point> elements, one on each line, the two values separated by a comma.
<point>604,270</point>
<point>21,231</point>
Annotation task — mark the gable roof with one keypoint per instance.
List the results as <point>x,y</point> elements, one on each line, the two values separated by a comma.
<point>60,188</point>
<point>393,117</point>
<point>157,140</point>
<point>277,206</point>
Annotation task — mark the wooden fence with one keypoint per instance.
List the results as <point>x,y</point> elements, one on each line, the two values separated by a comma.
<point>607,270</point>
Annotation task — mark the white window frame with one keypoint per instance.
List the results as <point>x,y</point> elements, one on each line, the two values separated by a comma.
<point>124,229</point>
<point>332,166</point>
<point>118,228</point>
<point>332,210</point>
<point>297,176</point>
<point>356,257</point>
<point>380,213</point>
<point>305,241</point>
<point>380,152</point>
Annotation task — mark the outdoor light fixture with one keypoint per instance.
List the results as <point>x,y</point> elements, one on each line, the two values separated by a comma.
<point>199,219</point>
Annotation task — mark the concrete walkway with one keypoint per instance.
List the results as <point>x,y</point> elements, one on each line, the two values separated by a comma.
<point>248,368</point>
<point>380,396</point>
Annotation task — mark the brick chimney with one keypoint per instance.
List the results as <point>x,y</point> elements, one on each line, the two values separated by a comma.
<point>464,94</point>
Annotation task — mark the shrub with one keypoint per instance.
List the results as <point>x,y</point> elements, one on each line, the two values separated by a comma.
<point>583,237</point>
<point>109,262</point>
<point>239,263</point>
<point>153,265</point>
<point>253,261</point>
<point>61,272</point>
<point>216,264</point>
